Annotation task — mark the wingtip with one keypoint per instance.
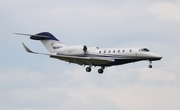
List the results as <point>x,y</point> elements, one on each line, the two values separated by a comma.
<point>26,48</point>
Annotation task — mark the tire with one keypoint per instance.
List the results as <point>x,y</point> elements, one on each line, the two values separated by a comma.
<point>100,71</point>
<point>150,66</point>
<point>88,69</point>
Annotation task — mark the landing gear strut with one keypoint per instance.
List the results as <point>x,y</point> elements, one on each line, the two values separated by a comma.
<point>150,66</point>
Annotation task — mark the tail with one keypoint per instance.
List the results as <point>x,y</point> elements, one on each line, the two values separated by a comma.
<point>49,41</point>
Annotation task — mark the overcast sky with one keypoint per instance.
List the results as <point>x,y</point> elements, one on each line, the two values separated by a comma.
<point>35,82</point>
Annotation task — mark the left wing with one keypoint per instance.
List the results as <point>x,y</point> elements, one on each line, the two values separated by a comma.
<point>83,60</point>
<point>75,59</point>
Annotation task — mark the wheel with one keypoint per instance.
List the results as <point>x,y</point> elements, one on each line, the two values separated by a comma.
<point>150,66</point>
<point>88,69</point>
<point>100,71</point>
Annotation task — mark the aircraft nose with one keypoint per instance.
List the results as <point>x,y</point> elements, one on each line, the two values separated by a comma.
<point>157,56</point>
<point>160,57</point>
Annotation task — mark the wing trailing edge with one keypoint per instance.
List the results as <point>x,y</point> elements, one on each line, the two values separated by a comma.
<point>83,60</point>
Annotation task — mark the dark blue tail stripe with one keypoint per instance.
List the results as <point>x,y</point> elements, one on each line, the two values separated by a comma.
<point>44,34</point>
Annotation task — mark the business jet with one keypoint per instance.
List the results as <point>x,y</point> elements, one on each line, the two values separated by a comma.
<point>91,56</point>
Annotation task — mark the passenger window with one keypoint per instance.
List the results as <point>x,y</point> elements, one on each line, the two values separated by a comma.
<point>118,51</point>
<point>123,50</point>
<point>113,51</point>
<point>99,51</point>
<point>104,51</point>
<point>130,50</point>
<point>109,51</point>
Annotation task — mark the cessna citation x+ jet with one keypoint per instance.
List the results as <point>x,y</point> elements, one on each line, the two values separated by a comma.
<point>91,56</point>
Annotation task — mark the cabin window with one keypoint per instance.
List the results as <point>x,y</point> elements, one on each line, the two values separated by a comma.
<point>104,51</point>
<point>118,51</point>
<point>123,50</point>
<point>109,51</point>
<point>113,51</point>
<point>130,51</point>
<point>99,51</point>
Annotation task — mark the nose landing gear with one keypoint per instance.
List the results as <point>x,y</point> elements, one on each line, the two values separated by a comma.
<point>150,65</point>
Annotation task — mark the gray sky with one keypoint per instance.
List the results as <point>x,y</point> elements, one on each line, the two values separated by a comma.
<point>34,82</point>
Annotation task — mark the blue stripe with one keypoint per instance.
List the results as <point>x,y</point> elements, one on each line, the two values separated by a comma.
<point>111,56</point>
<point>119,59</point>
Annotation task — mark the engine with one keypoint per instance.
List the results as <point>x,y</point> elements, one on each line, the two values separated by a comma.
<point>73,50</point>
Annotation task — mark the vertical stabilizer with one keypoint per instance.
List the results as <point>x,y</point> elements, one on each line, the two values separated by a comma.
<point>49,41</point>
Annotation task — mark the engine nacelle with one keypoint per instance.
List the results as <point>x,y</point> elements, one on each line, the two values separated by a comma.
<point>73,50</point>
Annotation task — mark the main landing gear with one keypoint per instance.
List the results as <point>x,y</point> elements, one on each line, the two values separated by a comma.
<point>100,71</point>
<point>150,65</point>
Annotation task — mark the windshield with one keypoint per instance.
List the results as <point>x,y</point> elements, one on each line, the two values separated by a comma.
<point>145,50</point>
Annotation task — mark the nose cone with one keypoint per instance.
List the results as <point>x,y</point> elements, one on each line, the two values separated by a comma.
<point>154,56</point>
<point>159,57</point>
<point>149,56</point>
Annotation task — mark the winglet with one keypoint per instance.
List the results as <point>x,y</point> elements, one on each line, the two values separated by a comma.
<point>27,49</point>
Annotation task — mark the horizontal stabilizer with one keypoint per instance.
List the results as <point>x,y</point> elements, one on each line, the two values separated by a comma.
<point>38,36</point>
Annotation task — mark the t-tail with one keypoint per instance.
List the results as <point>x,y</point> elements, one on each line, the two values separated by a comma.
<point>49,41</point>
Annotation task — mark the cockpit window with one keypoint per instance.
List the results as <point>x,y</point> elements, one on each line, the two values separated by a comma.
<point>145,50</point>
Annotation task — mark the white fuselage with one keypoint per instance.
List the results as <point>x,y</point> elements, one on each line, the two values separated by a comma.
<point>120,55</point>
<point>108,52</point>
<point>91,56</point>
